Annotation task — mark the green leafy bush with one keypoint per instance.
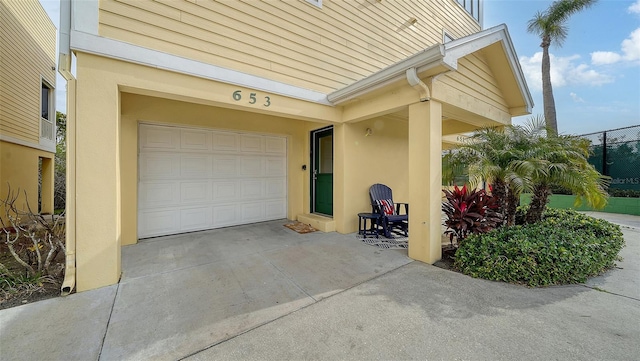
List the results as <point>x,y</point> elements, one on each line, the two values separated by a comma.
<point>469,211</point>
<point>565,247</point>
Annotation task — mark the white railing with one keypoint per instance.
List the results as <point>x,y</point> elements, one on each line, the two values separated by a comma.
<point>46,129</point>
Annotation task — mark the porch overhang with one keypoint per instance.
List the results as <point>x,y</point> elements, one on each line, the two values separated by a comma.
<point>441,58</point>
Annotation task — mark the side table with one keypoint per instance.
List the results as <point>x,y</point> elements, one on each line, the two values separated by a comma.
<point>372,230</point>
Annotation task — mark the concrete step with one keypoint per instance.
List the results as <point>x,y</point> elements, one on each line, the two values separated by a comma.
<point>319,222</point>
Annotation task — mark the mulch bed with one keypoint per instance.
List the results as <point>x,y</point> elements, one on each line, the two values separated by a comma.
<point>46,291</point>
<point>448,258</point>
<point>23,294</point>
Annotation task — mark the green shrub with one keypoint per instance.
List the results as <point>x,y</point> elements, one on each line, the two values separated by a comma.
<point>565,247</point>
<point>469,211</point>
<point>627,193</point>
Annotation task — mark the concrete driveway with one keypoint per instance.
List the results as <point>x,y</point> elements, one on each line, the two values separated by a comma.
<point>262,292</point>
<point>181,294</point>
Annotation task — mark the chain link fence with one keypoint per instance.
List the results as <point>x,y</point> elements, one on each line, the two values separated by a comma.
<point>616,153</point>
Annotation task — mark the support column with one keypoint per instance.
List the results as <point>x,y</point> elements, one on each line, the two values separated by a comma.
<point>425,181</point>
<point>47,188</point>
<point>97,176</point>
<point>340,210</point>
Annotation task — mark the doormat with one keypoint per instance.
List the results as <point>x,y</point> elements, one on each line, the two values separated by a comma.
<point>385,243</point>
<point>300,227</point>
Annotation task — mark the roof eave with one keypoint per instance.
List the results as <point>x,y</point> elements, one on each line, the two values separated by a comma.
<point>424,60</point>
<point>459,48</point>
<point>439,55</point>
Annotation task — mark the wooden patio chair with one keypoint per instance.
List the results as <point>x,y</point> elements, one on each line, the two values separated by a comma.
<point>390,216</point>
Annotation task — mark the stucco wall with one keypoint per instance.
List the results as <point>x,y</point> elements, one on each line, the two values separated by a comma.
<point>19,170</point>
<point>381,157</point>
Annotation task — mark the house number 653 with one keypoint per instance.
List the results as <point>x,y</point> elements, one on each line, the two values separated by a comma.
<point>253,99</point>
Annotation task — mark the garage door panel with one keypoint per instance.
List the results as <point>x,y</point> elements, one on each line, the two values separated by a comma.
<point>225,215</point>
<point>251,143</point>
<point>226,142</point>
<point>252,189</point>
<point>225,191</point>
<point>275,145</point>
<point>192,219</point>
<point>276,209</point>
<point>225,166</point>
<point>195,179</point>
<point>158,139</point>
<point>276,188</point>
<point>158,194</point>
<point>195,166</point>
<point>159,166</point>
<point>195,192</point>
<point>155,223</point>
<point>251,166</point>
<point>252,212</point>
<point>195,140</point>
<point>275,167</point>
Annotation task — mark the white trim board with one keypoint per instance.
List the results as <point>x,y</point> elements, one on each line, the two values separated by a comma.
<point>24,143</point>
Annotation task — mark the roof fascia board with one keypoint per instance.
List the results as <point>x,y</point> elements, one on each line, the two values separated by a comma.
<point>428,58</point>
<point>114,49</point>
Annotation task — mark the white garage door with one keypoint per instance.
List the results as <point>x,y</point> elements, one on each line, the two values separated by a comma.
<point>195,179</point>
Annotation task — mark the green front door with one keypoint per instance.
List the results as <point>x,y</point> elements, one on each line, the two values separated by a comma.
<point>322,171</point>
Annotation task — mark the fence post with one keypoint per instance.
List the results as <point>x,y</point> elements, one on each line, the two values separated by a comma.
<point>604,154</point>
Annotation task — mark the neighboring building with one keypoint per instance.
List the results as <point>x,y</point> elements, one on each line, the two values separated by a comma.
<point>190,115</point>
<point>27,111</point>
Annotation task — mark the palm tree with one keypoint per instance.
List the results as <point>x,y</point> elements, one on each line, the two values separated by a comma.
<point>490,154</point>
<point>557,160</point>
<point>565,164</point>
<point>530,158</point>
<point>551,26</point>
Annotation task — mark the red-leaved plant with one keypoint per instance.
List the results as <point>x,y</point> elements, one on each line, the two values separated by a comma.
<point>469,211</point>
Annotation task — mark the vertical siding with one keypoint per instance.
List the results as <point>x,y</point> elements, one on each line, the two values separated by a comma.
<point>28,39</point>
<point>291,41</point>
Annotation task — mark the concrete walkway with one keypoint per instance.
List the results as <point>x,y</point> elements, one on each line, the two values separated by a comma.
<point>260,292</point>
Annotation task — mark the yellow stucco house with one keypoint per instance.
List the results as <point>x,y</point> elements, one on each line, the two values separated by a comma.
<point>27,104</point>
<point>187,115</point>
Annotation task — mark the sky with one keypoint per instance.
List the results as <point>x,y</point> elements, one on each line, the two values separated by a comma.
<point>595,74</point>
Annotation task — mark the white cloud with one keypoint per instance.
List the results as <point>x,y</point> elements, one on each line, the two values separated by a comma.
<point>631,45</point>
<point>629,48</point>
<point>605,57</point>
<point>576,98</point>
<point>564,71</point>
<point>635,7</point>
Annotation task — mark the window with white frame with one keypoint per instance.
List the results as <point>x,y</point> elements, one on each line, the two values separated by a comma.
<point>472,7</point>
<point>47,113</point>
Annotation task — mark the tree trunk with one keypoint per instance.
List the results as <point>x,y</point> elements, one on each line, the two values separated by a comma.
<point>500,193</point>
<point>512,205</point>
<point>539,200</point>
<point>547,90</point>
